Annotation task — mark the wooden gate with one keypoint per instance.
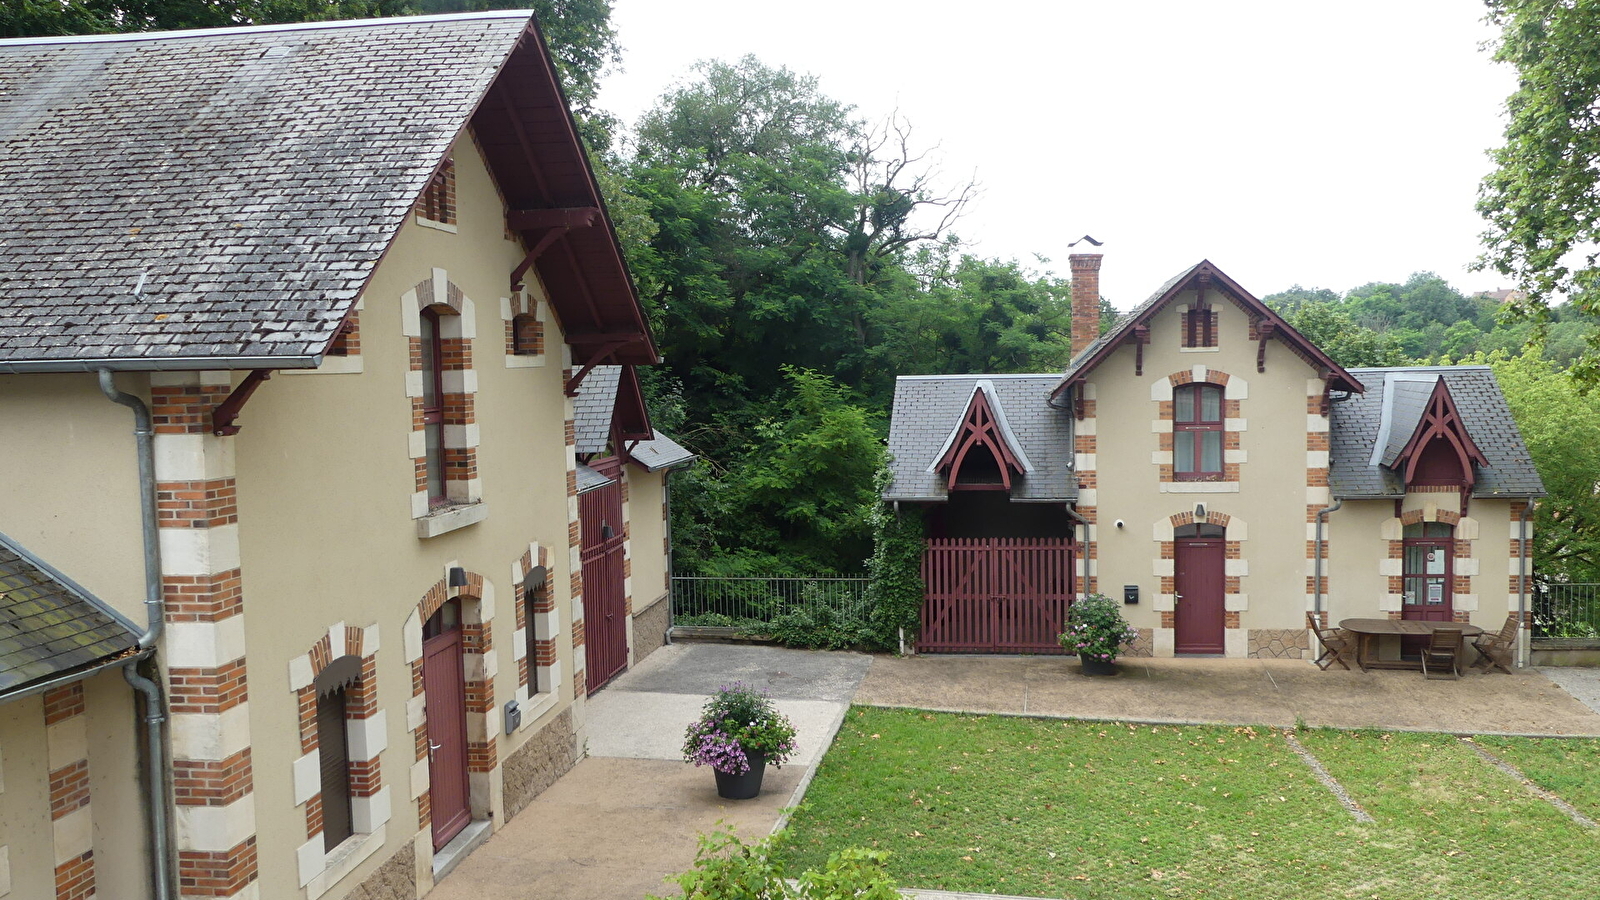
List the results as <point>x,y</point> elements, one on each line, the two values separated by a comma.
<point>605,614</point>
<point>995,595</point>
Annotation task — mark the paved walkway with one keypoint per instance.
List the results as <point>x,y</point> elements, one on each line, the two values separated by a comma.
<point>629,814</point>
<point>1229,691</point>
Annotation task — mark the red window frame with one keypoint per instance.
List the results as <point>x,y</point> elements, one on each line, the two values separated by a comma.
<point>433,406</point>
<point>1199,327</point>
<point>1188,415</point>
<point>1415,586</point>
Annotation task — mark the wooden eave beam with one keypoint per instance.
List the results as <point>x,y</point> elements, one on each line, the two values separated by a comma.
<point>528,156</point>
<point>557,217</point>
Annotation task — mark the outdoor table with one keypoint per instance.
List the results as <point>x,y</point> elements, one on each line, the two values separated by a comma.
<point>1366,629</point>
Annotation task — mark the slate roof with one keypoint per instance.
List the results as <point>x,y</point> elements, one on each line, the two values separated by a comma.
<point>220,198</point>
<point>660,453</point>
<point>1357,423</point>
<point>48,624</point>
<point>593,406</point>
<point>592,410</point>
<point>927,407</point>
<point>589,479</point>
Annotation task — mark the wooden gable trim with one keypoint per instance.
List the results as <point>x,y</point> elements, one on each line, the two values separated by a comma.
<point>1441,420</point>
<point>979,428</point>
<point>630,419</point>
<point>1207,274</point>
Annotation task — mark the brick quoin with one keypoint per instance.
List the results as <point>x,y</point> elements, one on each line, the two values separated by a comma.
<point>63,702</point>
<point>212,783</point>
<point>222,873</point>
<point>75,878</point>
<point>69,788</point>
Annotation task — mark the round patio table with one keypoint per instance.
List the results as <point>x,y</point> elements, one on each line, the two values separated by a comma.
<point>1366,629</point>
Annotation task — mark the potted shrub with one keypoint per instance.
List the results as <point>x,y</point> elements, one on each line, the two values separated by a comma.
<point>1097,632</point>
<point>738,733</point>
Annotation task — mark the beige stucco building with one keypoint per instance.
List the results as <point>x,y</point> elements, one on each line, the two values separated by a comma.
<point>1221,475</point>
<point>342,302</point>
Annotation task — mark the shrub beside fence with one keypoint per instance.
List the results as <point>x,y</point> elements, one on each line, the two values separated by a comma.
<point>1570,611</point>
<point>758,600</point>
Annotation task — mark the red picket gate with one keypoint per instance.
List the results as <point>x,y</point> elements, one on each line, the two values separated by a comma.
<point>995,595</point>
<point>602,551</point>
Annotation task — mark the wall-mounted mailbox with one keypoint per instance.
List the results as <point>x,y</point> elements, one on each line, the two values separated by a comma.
<point>513,717</point>
<point>1130,593</point>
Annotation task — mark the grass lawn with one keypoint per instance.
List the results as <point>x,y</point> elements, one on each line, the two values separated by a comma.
<point>1099,810</point>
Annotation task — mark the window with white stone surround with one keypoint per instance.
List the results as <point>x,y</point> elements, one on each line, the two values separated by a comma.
<point>346,811</point>
<point>439,323</point>
<point>538,623</point>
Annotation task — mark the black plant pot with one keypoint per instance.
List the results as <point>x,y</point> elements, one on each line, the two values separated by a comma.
<point>731,786</point>
<point>1096,666</point>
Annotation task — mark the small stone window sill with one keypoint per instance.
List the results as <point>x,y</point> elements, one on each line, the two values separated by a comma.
<point>1199,349</point>
<point>342,860</point>
<point>446,519</point>
<point>1199,487</point>
<point>442,226</point>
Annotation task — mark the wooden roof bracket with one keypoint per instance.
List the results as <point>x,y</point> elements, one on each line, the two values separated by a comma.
<point>1265,328</point>
<point>605,352</point>
<point>548,238</point>
<point>1139,335</point>
<point>227,412</point>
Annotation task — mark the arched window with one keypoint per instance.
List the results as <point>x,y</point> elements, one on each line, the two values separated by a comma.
<point>433,405</point>
<point>333,749</point>
<point>1197,432</point>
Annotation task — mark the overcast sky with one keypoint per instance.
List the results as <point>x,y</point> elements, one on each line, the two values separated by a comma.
<point>1322,144</point>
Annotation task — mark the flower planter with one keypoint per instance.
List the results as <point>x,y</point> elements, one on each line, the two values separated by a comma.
<point>733,786</point>
<point>1096,666</point>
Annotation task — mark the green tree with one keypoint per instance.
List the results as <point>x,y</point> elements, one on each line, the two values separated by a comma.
<point>1561,424</point>
<point>1349,344</point>
<point>1541,201</point>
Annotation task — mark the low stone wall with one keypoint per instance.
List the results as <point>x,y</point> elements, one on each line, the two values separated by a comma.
<point>650,628</point>
<point>396,879</point>
<point>1280,643</point>
<point>536,765</point>
<point>1143,645</point>
<point>1564,652</point>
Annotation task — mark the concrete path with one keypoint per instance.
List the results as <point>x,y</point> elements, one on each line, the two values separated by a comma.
<point>1582,683</point>
<point>1226,691</point>
<point>630,813</point>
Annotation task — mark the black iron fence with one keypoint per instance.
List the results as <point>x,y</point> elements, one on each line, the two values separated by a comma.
<point>758,600</point>
<point>1566,611</point>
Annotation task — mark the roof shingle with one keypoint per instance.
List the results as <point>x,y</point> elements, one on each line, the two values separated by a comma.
<point>48,624</point>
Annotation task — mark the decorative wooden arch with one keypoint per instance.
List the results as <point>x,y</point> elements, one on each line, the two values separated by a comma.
<point>1440,421</point>
<point>980,427</point>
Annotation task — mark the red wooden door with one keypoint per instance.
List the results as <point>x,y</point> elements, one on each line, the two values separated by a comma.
<point>445,703</point>
<point>1428,573</point>
<point>995,595</point>
<point>605,614</point>
<point>1199,614</point>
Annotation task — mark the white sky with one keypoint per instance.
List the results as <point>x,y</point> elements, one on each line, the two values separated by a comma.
<point>1325,144</point>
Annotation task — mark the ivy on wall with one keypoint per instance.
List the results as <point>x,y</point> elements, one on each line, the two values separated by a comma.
<point>896,591</point>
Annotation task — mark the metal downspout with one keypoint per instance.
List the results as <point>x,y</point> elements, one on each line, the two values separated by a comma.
<point>155,713</point>
<point>1524,633</point>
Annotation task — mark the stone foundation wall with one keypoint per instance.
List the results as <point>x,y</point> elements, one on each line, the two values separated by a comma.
<point>548,755</point>
<point>396,879</point>
<point>1280,643</point>
<point>650,628</point>
<point>1143,645</point>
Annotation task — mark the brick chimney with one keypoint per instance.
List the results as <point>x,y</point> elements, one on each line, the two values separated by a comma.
<point>1085,295</point>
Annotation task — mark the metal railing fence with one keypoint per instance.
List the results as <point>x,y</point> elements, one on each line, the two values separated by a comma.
<point>1566,611</point>
<point>744,601</point>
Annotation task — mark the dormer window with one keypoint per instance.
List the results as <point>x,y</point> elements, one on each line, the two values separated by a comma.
<point>1423,438</point>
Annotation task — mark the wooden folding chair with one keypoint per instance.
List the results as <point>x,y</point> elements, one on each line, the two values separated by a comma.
<point>1337,644</point>
<point>1494,650</point>
<point>1443,649</point>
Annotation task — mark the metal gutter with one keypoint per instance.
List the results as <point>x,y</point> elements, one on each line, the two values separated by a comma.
<point>39,687</point>
<point>158,364</point>
<point>1524,633</point>
<point>155,713</point>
